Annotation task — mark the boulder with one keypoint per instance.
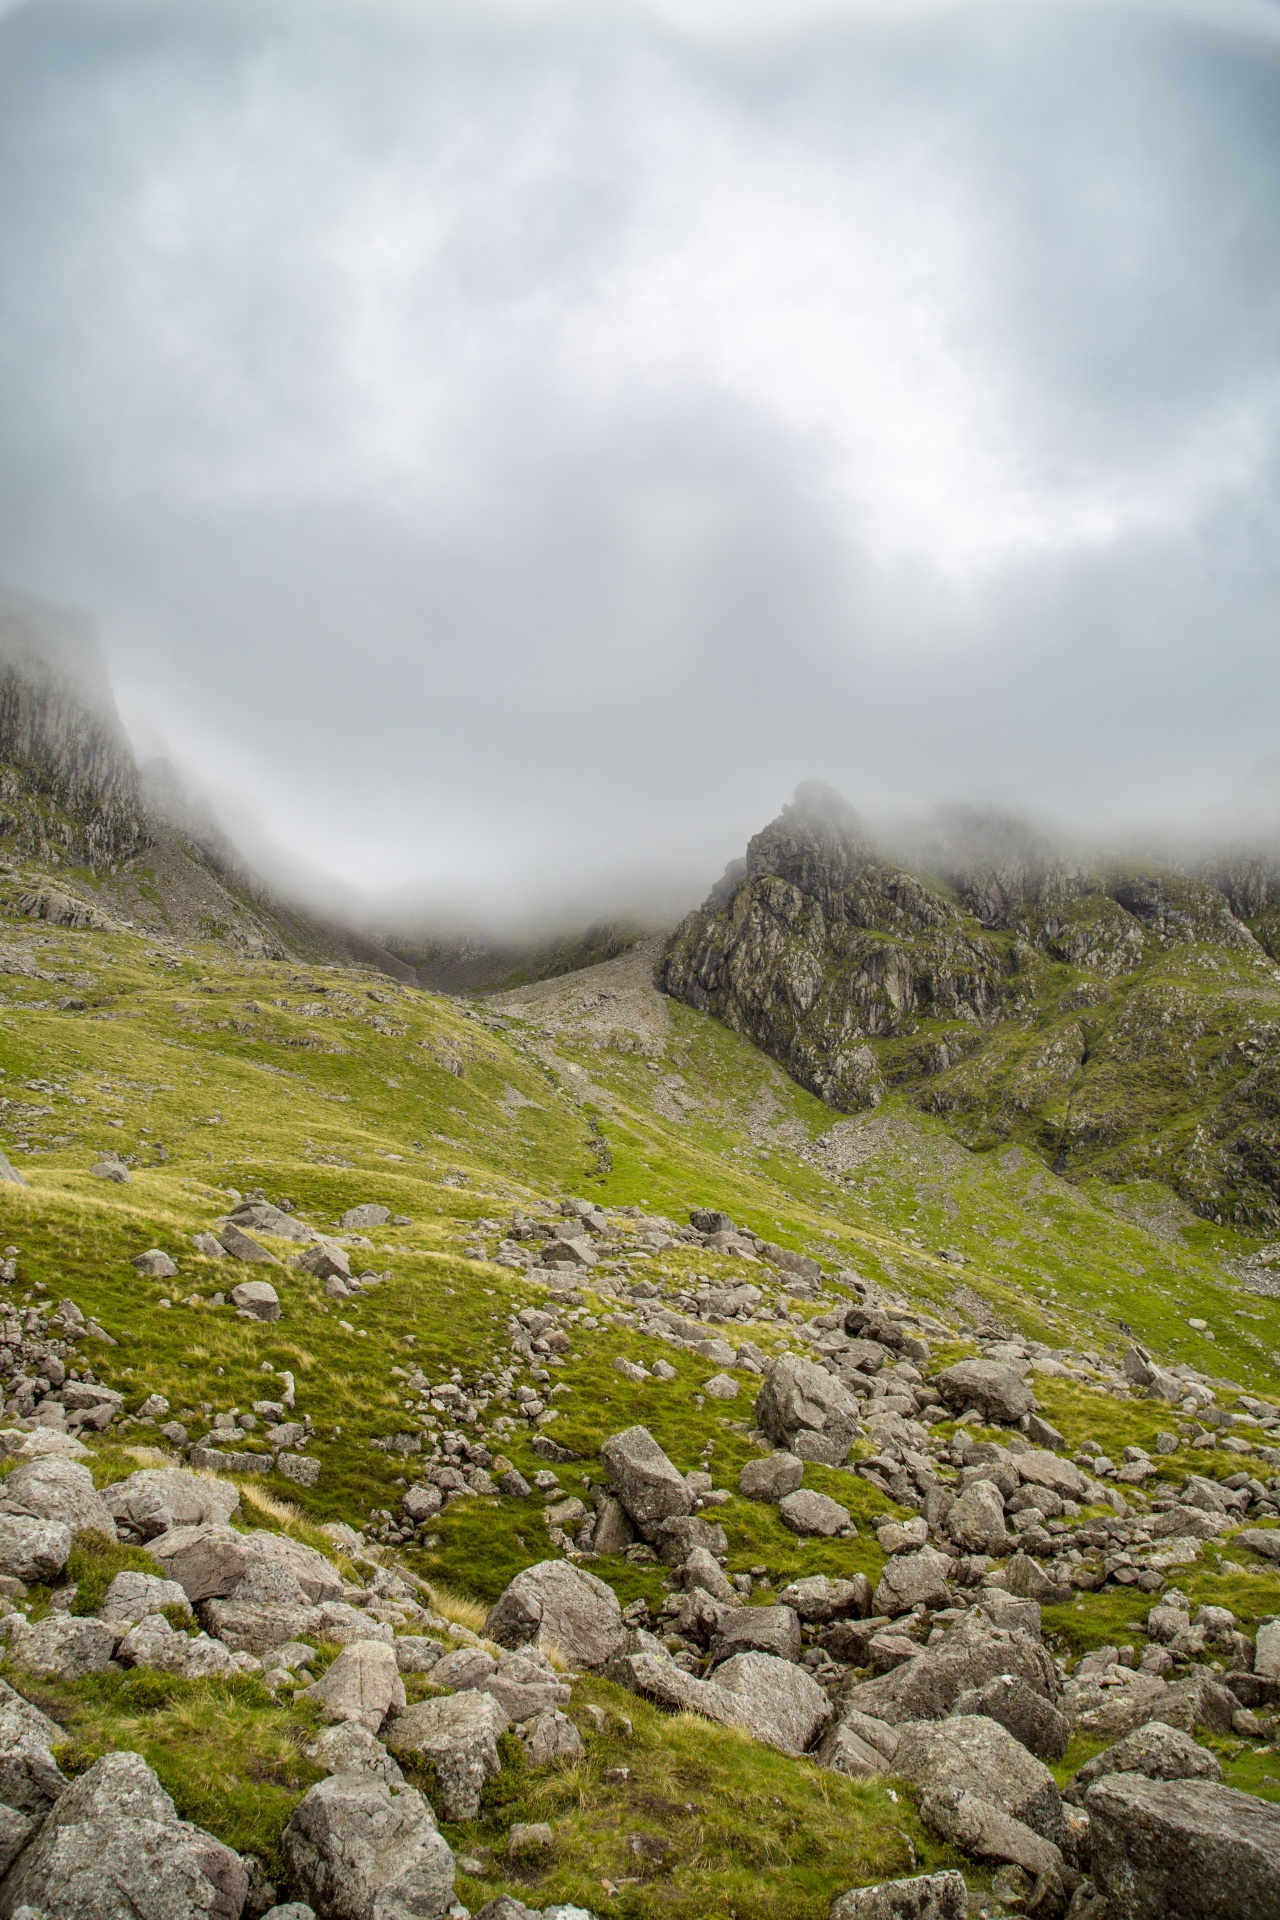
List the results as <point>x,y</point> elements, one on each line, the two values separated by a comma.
<point>911,1579</point>
<point>929,1896</point>
<point>1026,1579</point>
<point>797,1398</point>
<point>552,1737</point>
<point>61,1645</point>
<point>555,1605</point>
<point>808,1513</point>
<point>256,1626</point>
<point>367,1214</point>
<point>30,1778</point>
<point>970,1656</point>
<point>1141,1370</point>
<point>857,1745</point>
<point>976,1521</point>
<point>113,1848</point>
<point>153,1643</point>
<point>772,1478</point>
<point>318,1578</point>
<point>464,1667</point>
<point>1266,1653</point>
<point>154,1264</point>
<point>999,1393</point>
<point>208,1562</point>
<point>1201,1700</point>
<point>703,1572</point>
<point>258,1298</point>
<point>984,1830</point>
<point>1183,1850</point>
<point>780,1704</point>
<point>325,1260</point>
<point>974,1755</point>
<point>720,1386</point>
<point>1157,1751</point>
<point>158,1499</point>
<point>773,1630</point>
<point>241,1246</point>
<point>33,1551</point>
<point>1021,1711</point>
<point>50,1488</point>
<point>415,1653</point>
<point>458,1735</point>
<point>109,1169</point>
<point>360,1852</point>
<point>643,1478</point>
<point>349,1747</point>
<point>1038,1467</point>
<point>1108,1713</point>
<point>819,1597</point>
<point>1264,1541</point>
<point>685,1533</point>
<point>614,1531</point>
<point>268,1219</point>
<point>363,1684</point>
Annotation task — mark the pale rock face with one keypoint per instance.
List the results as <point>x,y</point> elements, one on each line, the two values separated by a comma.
<point>360,1852</point>
<point>113,1848</point>
<point>555,1605</point>
<point>363,1684</point>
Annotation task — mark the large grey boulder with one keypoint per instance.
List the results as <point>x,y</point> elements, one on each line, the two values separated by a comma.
<point>1021,1711</point>
<point>773,1630</point>
<point>1183,1850</point>
<point>241,1246</point>
<point>30,1778</point>
<point>318,1578</point>
<point>1038,1467</point>
<point>258,1298</point>
<point>813,1514</point>
<point>797,1398</point>
<point>643,1478</point>
<point>458,1734</point>
<point>557,1606</point>
<point>857,1745</point>
<point>360,1852</point>
<point>131,1596</point>
<point>976,1521</point>
<point>261,1215</point>
<point>113,1848</point>
<point>208,1562</point>
<point>912,1579</point>
<point>1201,1700</point>
<point>675,1539</point>
<point>33,1551</point>
<point>928,1896</point>
<point>771,1478</point>
<point>972,1754</point>
<point>779,1703</point>
<point>368,1214</point>
<point>999,1393</point>
<point>363,1684</point>
<point>1156,1751</point>
<point>61,1645</point>
<point>986,1831</point>
<point>973,1653</point>
<point>51,1488</point>
<point>819,1597</point>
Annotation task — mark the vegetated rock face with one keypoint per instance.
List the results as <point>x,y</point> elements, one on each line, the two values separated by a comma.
<point>830,957</point>
<point>1183,1850</point>
<point>114,1848</point>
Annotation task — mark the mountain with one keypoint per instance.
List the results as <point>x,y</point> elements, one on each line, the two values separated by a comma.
<point>1124,1023</point>
<point>89,839</point>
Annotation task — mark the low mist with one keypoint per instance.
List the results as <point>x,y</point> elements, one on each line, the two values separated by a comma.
<point>505,450</point>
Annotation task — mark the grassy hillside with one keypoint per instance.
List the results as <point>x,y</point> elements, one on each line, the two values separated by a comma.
<point>328,1087</point>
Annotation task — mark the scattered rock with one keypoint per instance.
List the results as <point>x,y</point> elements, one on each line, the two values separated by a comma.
<point>154,1264</point>
<point>771,1478</point>
<point>642,1477</point>
<point>721,1386</point>
<point>552,1736</point>
<point>976,1521</point>
<point>1021,1711</point>
<point>49,1488</point>
<point>153,1643</point>
<point>30,1779</point>
<point>773,1630</point>
<point>367,1214</point>
<point>61,1645</point>
<point>256,1297</point>
<point>242,1247</point>
<point>911,1579</point>
<point>819,1597</point>
<point>973,1755</point>
<point>109,1169</point>
<point>777,1702</point>
<point>33,1551</point>
<point>350,1748</point>
<point>360,1852</point>
<point>999,1393</point>
<point>1158,1751</point>
<point>797,1398</point>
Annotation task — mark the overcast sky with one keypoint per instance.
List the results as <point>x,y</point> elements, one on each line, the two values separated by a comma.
<point>506,447</point>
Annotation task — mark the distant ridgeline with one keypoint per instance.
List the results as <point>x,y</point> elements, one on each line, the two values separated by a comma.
<point>1125,1023</point>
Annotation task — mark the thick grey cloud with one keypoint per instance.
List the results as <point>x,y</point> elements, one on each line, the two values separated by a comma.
<point>507,447</point>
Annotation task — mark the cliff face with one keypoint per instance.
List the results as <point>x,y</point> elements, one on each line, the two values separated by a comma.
<point>1124,1023</point>
<point>68,783</point>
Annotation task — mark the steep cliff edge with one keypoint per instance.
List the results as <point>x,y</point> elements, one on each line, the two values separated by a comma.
<point>1126,1024</point>
<point>87,839</point>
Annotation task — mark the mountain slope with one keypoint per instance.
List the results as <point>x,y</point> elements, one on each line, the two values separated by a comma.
<point>1124,1025</point>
